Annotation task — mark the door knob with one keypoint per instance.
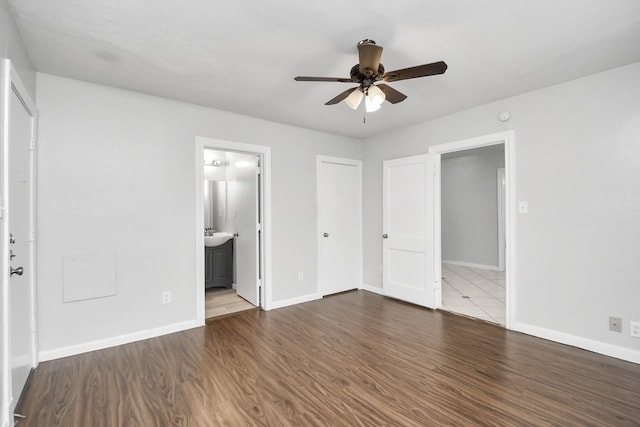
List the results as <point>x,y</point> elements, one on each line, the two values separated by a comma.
<point>384,236</point>
<point>17,271</point>
<point>326,234</point>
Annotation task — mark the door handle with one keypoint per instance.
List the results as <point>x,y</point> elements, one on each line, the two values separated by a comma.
<point>17,271</point>
<point>326,234</point>
<point>385,235</point>
<point>12,238</point>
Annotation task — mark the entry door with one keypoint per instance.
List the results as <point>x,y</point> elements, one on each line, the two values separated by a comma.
<point>243,190</point>
<point>408,230</point>
<point>20,217</point>
<point>340,224</point>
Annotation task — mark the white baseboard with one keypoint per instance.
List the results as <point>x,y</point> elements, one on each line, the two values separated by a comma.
<point>472,265</point>
<point>115,341</point>
<point>374,289</point>
<point>294,301</point>
<point>623,353</point>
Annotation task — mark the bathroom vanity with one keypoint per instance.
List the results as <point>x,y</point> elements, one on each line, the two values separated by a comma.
<point>218,265</point>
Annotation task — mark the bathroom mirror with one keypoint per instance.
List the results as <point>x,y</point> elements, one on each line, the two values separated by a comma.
<point>215,205</point>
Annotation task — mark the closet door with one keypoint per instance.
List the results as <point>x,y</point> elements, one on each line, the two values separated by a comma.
<point>339,224</point>
<point>18,234</point>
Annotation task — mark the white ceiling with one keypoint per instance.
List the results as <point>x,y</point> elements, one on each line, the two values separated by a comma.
<point>241,56</point>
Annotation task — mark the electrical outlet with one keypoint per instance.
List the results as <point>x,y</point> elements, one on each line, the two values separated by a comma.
<point>166,297</point>
<point>300,275</point>
<point>634,329</point>
<point>615,324</point>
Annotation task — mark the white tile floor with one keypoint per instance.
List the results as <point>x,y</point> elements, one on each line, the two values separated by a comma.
<point>474,292</point>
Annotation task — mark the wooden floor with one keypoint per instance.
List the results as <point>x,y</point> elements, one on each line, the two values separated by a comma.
<point>355,359</point>
<point>222,302</point>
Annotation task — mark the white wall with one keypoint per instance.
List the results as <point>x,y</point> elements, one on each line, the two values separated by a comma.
<point>12,47</point>
<point>117,175</point>
<point>577,160</point>
<point>470,205</point>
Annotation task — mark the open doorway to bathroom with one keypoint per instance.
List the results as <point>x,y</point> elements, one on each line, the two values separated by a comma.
<point>231,233</point>
<point>231,199</point>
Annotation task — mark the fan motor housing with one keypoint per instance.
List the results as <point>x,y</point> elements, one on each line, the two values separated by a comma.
<point>358,77</point>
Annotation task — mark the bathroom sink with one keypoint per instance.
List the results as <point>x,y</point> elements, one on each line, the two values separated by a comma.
<point>217,239</point>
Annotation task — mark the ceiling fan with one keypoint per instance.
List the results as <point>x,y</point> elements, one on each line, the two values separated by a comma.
<point>367,72</point>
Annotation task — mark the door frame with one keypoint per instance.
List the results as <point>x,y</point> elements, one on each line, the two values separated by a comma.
<point>341,161</point>
<point>264,152</point>
<point>507,138</point>
<point>501,178</point>
<point>11,82</point>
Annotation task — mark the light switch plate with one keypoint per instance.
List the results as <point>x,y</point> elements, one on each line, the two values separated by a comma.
<point>634,329</point>
<point>523,207</point>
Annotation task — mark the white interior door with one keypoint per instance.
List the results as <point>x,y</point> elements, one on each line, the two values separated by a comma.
<point>340,224</point>
<point>408,230</point>
<point>20,224</point>
<point>243,193</point>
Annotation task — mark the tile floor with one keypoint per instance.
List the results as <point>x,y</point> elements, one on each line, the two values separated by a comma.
<point>474,292</point>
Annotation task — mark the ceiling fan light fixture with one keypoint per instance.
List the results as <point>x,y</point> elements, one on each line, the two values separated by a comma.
<point>376,95</point>
<point>354,99</point>
<point>370,105</point>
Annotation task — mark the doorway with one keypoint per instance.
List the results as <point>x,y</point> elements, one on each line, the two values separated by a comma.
<point>480,282</point>
<point>233,227</point>
<point>232,231</point>
<point>412,228</point>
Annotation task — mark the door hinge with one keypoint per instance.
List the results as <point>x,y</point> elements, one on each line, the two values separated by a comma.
<point>32,144</point>
<point>32,235</point>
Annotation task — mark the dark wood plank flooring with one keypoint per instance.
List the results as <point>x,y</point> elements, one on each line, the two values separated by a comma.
<point>355,359</point>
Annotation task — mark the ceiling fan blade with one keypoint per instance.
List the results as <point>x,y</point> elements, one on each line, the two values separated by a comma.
<point>340,97</point>
<point>392,95</point>
<point>417,71</point>
<point>322,79</point>
<point>370,55</point>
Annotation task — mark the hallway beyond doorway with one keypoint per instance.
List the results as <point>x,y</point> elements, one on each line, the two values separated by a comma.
<point>474,292</point>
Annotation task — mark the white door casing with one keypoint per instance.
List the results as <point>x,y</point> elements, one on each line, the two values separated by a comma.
<point>501,181</point>
<point>339,224</point>
<point>408,244</point>
<point>18,143</point>
<point>242,219</point>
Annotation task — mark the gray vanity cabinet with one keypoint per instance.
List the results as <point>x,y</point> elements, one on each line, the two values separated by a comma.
<point>218,266</point>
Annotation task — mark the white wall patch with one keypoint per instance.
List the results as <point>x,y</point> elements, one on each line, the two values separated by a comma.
<point>88,276</point>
